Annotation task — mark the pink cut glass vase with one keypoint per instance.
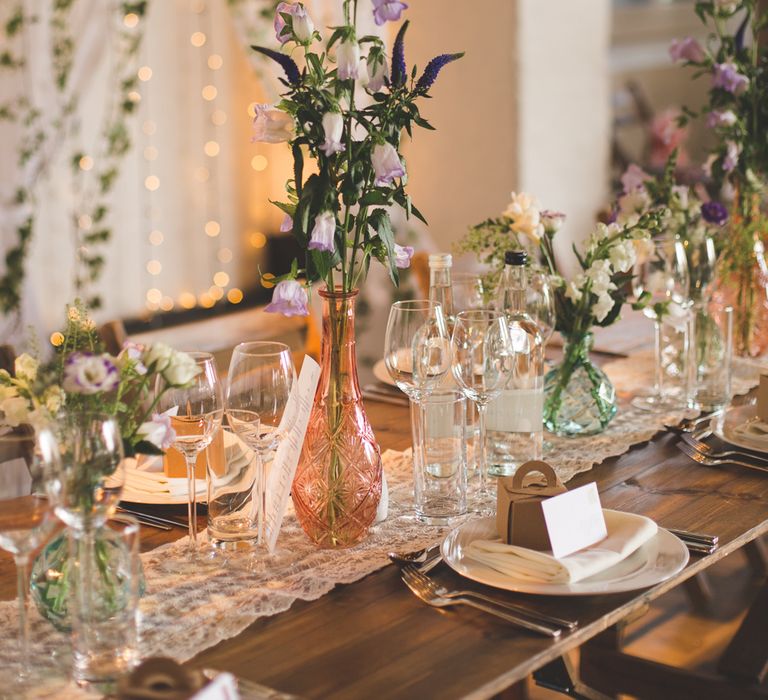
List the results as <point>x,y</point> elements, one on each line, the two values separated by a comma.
<point>337,486</point>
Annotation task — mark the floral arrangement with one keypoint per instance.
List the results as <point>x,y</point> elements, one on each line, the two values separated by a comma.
<point>82,378</point>
<point>687,212</point>
<point>596,294</point>
<point>736,64</point>
<point>338,214</point>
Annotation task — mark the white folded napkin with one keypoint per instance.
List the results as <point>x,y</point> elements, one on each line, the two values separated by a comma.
<point>626,533</point>
<point>157,482</point>
<point>754,430</point>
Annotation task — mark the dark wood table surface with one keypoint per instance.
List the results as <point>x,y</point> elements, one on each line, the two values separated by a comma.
<point>374,639</point>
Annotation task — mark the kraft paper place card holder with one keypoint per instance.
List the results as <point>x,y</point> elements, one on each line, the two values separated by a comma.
<point>762,399</point>
<point>548,517</point>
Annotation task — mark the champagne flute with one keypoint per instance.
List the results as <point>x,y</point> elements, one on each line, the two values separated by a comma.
<point>196,412</point>
<point>259,382</point>
<point>417,356</point>
<point>29,463</point>
<point>662,278</point>
<point>480,346</point>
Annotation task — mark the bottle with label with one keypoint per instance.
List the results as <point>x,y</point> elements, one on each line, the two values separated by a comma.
<point>515,418</point>
<point>440,290</point>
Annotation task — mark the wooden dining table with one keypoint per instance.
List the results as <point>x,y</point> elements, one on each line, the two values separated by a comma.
<point>374,639</point>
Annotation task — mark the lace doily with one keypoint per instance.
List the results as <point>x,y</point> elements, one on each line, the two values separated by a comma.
<point>182,617</point>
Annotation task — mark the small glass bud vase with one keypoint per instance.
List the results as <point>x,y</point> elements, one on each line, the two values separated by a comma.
<point>579,397</point>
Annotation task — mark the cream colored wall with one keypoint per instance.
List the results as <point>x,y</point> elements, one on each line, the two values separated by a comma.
<point>526,109</point>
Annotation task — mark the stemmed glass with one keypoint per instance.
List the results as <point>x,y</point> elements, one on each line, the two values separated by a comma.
<point>417,353</point>
<point>663,279</point>
<point>480,346</point>
<point>27,463</point>
<point>468,291</point>
<point>259,383</point>
<point>196,412</point>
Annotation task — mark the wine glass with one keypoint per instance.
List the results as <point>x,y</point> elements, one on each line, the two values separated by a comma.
<point>480,346</point>
<point>417,354</point>
<point>28,461</point>
<point>416,347</point>
<point>259,382</point>
<point>468,291</point>
<point>196,411</point>
<point>540,303</point>
<point>662,279</point>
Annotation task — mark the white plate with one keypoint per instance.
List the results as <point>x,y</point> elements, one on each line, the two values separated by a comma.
<point>723,426</point>
<point>658,559</point>
<point>380,372</point>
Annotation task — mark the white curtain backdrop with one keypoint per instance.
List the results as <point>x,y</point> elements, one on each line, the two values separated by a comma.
<point>192,196</point>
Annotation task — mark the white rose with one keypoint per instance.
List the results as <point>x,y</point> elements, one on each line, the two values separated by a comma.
<point>603,305</point>
<point>15,411</point>
<point>181,369</point>
<point>25,367</point>
<point>157,357</point>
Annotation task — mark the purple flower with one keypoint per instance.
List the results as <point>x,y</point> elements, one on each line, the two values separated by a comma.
<point>323,232</point>
<point>727,77</point>
<point>720,118</point>
<point>687,49</point>
<point>348,60</point>
<point>433,68</point>
<point>399,70</point>
<point>271,125</point>
<point>551,220</point>
<point>286,63</point>
<point>387,10</point>
<point>714,213</point>
<point>403,255</point>
<point>159,430</point>
<point>86,373</point>
<point>287,224</point>
<point>386,164</point>
<point>731,158</point>
<point>289,299</point>
<point>633,178</point>
<point>333,128</point>
<point>131,354</point>
<point>303,27</point>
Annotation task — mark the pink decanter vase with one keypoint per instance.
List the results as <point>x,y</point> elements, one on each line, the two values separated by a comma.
<point>337,486</point>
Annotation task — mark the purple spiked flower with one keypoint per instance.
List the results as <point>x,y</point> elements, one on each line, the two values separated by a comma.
<point>738,38</point>
<point>433,68</point>
<point>397,77</point>
<point>714,213</point>
<point>286,63</point>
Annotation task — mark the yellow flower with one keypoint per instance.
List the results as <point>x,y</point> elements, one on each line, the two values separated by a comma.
<point>25,367</point>
<point>524,212</point>
<point>57,339</point>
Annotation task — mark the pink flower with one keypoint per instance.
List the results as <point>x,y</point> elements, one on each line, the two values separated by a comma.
<point>132,353</point>
<point>551,221</point>
<point>634,177</point>
<point>727,77</point>
<point>403,255</point>
<point>272,125</point>
<point>289,299</point>
<point>687,49</point>
<point>720,118</point>
<point>158,431</point>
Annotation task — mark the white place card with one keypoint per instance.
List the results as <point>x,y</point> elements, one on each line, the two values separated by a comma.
<point>286,458</point>
<point>574,520</point>
<point>223,687</point>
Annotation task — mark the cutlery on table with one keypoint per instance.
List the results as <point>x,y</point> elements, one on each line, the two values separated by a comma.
<point>716,462</point>
<point>700,537</point>
<point>142,520</point>
<point>167,523</point>
<point>438,590</point>
<point>709,451</point>
<point>423,593</point>
<point>689,425</point>
<point>418,556</point>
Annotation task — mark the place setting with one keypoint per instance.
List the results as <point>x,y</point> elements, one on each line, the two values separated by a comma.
<point>303,367</point>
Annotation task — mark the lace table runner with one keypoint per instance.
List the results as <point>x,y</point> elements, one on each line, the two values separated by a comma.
<point>181,618</point>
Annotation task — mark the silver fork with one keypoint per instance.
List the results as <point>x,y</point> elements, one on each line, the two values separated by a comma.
<point>707,450</point>
<point>421,592</point>
<point>714,462</point>
<point>438,590</point>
